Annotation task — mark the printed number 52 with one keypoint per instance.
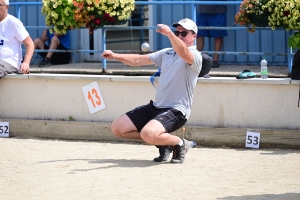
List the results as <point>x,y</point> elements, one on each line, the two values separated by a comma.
<point>254,141</point>
<point>95,96</point>
<point>3,129</point>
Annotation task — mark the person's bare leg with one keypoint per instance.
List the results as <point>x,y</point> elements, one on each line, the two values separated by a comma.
<point>54,44</point>
<point>124,128</point>
<point>154,133</point>
<point>218,46</point>
<point>38,43</point>
<point>200,43</point>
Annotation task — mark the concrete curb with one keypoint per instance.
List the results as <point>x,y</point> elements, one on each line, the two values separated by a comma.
<point>134,72</point>
<point>117,68</point>
<point>204,136</point>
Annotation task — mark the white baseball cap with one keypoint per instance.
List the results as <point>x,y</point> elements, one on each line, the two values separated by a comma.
<point>187,24</point>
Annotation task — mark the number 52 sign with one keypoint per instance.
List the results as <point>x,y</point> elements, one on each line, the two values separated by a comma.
<point>4,129</point>
<point>93,97</point>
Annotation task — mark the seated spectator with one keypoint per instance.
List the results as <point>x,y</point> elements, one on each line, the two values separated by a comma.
<point>13,34</point>
<point>55,42</point>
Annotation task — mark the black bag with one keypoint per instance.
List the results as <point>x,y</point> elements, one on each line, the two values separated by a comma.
<point>295,74</point>
<point>206,64</point>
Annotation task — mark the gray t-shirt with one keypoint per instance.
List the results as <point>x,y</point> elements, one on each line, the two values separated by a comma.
<point>177,79</point>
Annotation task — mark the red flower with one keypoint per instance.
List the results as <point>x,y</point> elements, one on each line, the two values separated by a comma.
<point>286,13</point>
<point>106,15</point>
<point>97,21</point>
<point>111,19</point>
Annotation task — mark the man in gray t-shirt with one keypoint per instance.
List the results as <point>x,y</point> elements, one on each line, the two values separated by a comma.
<point>212,15</point>
<point>180,67</point>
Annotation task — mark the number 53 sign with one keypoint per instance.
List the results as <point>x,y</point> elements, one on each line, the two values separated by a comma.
<point>252,139</point>
<point>93,97</point>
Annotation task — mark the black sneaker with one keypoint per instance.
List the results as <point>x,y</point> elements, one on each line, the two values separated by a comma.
<point>215,64</point>
<point>45,62</point>
<point>180,151</point>
<point>164,153</point>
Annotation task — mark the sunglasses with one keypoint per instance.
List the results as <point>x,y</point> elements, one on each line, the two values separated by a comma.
<point>183,33</point>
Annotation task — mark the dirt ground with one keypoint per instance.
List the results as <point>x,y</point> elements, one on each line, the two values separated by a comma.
<point>56,169</point>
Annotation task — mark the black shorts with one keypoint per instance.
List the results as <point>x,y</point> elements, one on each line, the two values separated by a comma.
<point>58,58</point>
<point>170,118</point>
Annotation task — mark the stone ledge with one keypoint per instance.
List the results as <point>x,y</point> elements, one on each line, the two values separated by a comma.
<point>117,68</point>
<point>100,131</point>
<point>279,81</point>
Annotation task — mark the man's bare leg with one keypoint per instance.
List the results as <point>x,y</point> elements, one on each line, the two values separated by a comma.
<point>200,43</point>
<point>124,128</point>
<point>218,46</point>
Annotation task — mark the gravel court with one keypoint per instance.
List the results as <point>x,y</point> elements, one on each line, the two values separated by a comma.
<point>58,169</point>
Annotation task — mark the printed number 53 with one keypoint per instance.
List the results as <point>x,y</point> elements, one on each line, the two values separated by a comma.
<point>94,95</point>
<point>254,141</point>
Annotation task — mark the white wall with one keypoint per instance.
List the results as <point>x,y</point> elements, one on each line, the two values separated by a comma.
<point>218,102</point>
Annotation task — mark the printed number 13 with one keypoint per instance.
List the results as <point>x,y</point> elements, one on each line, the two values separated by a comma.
<point>96,96</point>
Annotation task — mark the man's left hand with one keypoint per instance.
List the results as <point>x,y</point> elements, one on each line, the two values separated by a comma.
<point>24,68</point>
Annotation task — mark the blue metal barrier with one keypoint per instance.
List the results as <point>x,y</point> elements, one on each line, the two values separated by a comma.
<point>193,11</point>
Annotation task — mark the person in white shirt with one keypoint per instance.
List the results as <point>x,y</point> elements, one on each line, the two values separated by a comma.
<point>12,35</point>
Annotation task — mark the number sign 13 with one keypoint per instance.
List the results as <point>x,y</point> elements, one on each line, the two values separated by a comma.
<point>4,129</point>
<point>252,139</point>
<point>93,97</point>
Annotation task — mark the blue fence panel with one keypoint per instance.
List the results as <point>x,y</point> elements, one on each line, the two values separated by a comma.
<point>168,14</point>
<point>262,43</point>
<point>236,41</point>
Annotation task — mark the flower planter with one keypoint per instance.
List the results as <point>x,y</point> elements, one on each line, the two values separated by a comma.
<point>66,15</point>
<point>119,22</point>
<point>260,21</point>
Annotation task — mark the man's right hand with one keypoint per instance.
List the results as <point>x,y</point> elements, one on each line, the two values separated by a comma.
<point>108,54</point>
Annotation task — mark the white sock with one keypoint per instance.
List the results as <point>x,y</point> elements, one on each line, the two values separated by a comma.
<point>181,142</point>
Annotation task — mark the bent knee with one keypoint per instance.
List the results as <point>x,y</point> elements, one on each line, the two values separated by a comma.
<point>37,41</point>
<point>116,129</point>
<point>148,138</point>
<point>55,40</point>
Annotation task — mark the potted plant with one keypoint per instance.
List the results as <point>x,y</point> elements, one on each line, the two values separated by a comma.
<point>64,15</point>
<point>252,14</point>
<point>277,14</point>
